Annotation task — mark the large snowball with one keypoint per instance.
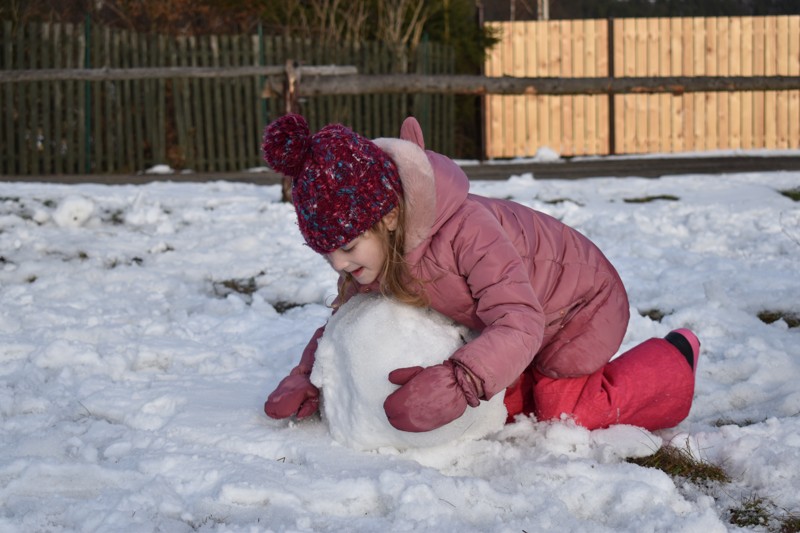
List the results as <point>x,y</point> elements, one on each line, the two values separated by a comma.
<point>367,338</point>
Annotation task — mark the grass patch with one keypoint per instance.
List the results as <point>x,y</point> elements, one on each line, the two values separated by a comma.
<point>677,462</point>
<point>653,314</point>
<point>752,512</point>
<point>281,306</point>
<point>247,287</point>
<point>647,199</point>
<point>758,512</point>
<point>790,524</point>
<point>243,286</point>
<point>792,194</point>
<point>791,318</point>
<point>116,262</point>
<point>556,201</point>
<point>730,422</point>
<point>115,217</point>
<point>24,208</point>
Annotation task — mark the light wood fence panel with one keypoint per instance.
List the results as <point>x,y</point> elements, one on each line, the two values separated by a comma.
<point>520,125</point>
<point>645,123</point>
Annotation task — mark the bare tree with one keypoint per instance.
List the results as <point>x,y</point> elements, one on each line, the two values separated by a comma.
<point>330,22</point>
<point>20,12</point>
<point>400,25</point>
<point>340,20</point>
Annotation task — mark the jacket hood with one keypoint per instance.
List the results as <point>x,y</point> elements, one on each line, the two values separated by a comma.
<point>434,187</point>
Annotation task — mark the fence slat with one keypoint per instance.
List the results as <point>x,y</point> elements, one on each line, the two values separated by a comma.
<point>746,69</point>
<point>542,66</point>
<point>23,108</point>
<point>387,101</point>
<point>696,37</point>
<point>58,95</point>
<point>663,141</point>
<point>209,98</point>
<point>655,129</point>
<point>248,106</point>
<point>794,70</point>
<point>196,127</point>
<point>603,144</point>
<point>117,107</point>
<point>640,101</point>
<point>493,135</point>
<point>722,110</point>
<point>734,46</point>
<point>109,120</point>
<point>228,117</point>
<point>724,135</point>
<point>759,69</point>
<point>179,101</point>
<point>239,102</point>
<point>628,124</point>
<point>161,111</point>
<point>782,68</point>
<point>711,123</point>
<point>373,103</point>
<point>96,109</point>
<point>770,69</point>
<point>141,89</point>
<point>214,107</point>
<point>36,135</point>
<point>533,136</point>
<point>11,139</point>
<point>46,103</point>
<point>124,127</point>
<point>588,62</point>
<point>70,140</point>
<point>148,104</point>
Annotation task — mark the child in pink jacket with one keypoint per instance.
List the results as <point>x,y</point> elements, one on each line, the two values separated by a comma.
<point>550,309</point>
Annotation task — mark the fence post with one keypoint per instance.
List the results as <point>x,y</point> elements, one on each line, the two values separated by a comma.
<point>290,83</point>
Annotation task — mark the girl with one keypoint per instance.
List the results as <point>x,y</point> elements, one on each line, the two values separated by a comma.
<point>551,310</point>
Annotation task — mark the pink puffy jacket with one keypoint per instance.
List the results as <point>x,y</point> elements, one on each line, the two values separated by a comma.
<point>539,292</point>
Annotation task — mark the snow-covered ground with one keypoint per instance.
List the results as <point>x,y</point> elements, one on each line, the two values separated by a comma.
<point>142,327</point>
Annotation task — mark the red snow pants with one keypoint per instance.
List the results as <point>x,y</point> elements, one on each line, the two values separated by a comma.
<point>650,386</point>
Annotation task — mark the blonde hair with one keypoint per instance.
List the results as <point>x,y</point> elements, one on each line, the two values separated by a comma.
<point>396,279</point>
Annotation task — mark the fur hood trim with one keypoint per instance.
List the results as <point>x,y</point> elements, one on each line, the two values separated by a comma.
<point>419,187</point>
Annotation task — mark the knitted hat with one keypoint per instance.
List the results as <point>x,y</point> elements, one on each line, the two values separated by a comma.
<point>342,183</point>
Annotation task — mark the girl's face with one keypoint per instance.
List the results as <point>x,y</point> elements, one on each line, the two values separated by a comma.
<point>364,257</point>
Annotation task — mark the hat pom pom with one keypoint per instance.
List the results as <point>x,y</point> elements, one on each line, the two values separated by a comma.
<point>286,144</point>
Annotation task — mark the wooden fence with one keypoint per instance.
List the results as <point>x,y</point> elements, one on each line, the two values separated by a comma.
<point>202,124</point>
<point>642,123</point>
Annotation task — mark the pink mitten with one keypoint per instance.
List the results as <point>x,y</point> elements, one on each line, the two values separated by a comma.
<point>430,397</point>
<point>295,395</point>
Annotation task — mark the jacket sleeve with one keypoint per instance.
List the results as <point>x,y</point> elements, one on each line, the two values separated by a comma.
<point>499,281</point>
<point>309,354</point>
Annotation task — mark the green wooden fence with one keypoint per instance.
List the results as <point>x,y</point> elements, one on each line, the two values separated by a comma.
<point>203,125</point>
